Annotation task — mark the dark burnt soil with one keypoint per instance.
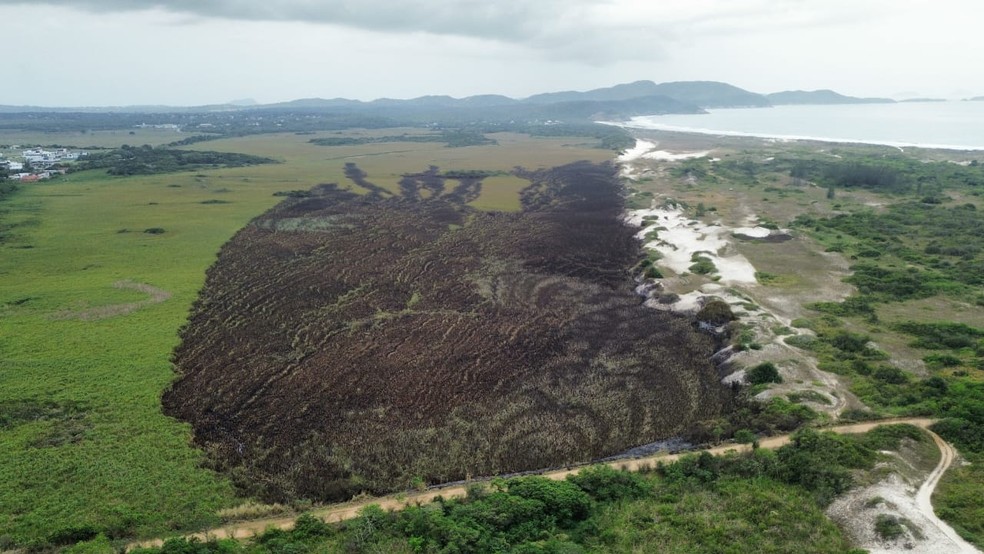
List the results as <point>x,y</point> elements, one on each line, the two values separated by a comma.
<point>348,342</point>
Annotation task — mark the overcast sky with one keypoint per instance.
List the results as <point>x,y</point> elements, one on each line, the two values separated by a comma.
<point>191,52</point>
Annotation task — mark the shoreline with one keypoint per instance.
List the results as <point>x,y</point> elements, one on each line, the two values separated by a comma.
<point>634,123</point>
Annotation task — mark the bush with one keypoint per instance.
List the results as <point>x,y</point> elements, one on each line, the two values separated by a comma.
<point>155,231</point>
<point>702,265</point>
<point>805,342</point>
<point>563,500</point>
<point>716,312</point>
<point>846,341</point>
<point>606,484</point>
<point>766,372</point>
<point>888,527</point>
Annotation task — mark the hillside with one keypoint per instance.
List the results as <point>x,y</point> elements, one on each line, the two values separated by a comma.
<point>712,94</point>
<point>791,97</point>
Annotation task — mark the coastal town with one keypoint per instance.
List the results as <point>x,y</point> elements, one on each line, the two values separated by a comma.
<point>37,164</point>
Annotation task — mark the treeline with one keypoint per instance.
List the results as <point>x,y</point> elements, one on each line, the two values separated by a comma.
<point>145,160</point>
<point>609,137</point>
<point>461,127</point>
<point>451,138</point>
<point>888,173</point>
<point>761,501</point>
<point>894,173</point>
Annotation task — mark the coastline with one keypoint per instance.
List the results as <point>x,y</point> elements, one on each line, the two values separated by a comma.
<point>953,126</point>
<point>635,123</point>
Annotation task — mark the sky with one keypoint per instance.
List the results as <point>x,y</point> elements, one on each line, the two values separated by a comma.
<point>195,52</point>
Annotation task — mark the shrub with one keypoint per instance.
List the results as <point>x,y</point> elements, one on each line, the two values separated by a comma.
<point>716,312</point>
<point>563,500</point>
<point>937,361</point>
<point>888,527</point>
<point>702,265</point>
<point>606,484</point>
<point>766,372</point>
<point>805,342</point>
<point>155,231</point>
<point>846,341</point>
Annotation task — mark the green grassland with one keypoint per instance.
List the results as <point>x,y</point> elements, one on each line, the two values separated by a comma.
<point>90,139</point>
<point>84,447</point>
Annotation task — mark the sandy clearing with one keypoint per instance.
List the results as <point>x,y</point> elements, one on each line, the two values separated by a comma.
<point>754,232</point>
<point>637,151</point>
<point>680,237</point>
<point>664,156</point>
<point>858,510</point>
<point>646,150</point>
<point>342,512</point>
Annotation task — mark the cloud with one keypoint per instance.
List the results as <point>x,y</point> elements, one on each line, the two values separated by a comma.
<point>589,31</point>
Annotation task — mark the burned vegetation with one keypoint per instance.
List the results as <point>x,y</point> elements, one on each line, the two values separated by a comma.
<point>351,342</point>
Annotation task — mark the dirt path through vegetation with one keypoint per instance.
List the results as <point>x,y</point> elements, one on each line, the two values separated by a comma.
<point>925,494</point>
<point>341,512</point>
<point>156,296</point>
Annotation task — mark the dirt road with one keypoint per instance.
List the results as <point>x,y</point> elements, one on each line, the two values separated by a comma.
<point>342,512</point>
<point>925,494</point>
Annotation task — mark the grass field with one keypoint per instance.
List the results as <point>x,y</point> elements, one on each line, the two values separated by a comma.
<point>84,447</point>
<point>100,139</point>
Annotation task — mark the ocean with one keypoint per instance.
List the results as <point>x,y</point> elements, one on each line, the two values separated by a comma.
<point>953,125</point>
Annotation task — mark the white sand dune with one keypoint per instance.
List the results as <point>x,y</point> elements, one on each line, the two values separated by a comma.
<point>641,147</point>
<point>680,237</point>
<point>754,232</point>
<point>664,156</point>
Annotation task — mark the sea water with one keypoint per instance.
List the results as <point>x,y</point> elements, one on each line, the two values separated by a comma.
<point>954,125</point>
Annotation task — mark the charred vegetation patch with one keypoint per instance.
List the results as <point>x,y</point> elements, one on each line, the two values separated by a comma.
<point>347,342</point>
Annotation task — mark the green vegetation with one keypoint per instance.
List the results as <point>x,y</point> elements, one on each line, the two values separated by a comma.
<point>958,497</point>
<point>808,396</point>
<point>889,527</point>
<point>146,160</point>
<point>761,501</point>
<point>921,249</point>
<point>911,231</point>
<point>763,373</point>
<point>702,264</point>
<point>451,138</point>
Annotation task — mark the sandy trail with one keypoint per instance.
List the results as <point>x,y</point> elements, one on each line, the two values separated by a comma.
<point>341,512</point>
<point>925,494</point>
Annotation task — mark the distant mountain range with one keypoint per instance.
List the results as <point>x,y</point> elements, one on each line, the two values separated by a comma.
<point>624,100</point>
